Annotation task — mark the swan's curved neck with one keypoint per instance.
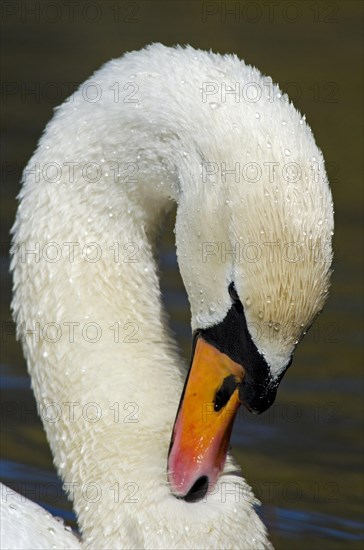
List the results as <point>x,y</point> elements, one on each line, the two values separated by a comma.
<point>109,387</point>
<point>105,371</point>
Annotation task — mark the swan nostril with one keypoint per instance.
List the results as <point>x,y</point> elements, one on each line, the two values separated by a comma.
<point>198,490</point>
<point>224,393</point>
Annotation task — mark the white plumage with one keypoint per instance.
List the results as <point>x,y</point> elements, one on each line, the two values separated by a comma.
<point>143,130</point>
<point>26,525</point>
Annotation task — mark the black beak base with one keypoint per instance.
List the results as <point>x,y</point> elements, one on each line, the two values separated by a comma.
<point>258,389</point>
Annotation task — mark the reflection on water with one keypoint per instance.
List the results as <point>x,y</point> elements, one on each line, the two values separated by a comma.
<point>301,457</point>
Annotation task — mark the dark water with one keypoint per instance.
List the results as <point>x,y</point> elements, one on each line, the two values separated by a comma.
<point>304,456</point>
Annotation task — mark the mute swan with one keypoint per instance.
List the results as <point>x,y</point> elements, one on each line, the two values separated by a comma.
<point>253,237</point>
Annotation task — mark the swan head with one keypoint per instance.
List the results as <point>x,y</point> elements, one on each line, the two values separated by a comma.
<point>255,259</point>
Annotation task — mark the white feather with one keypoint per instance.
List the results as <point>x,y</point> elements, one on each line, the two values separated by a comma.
<point>166,137</point>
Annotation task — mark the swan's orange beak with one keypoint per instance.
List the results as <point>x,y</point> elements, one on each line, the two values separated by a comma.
<point>204,422</point>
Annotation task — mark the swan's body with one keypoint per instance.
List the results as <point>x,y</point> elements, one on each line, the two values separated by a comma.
<point>132,386</point>
<point>26,525</point>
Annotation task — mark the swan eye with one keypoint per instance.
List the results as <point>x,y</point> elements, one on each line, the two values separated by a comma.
<point>233,294</point>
